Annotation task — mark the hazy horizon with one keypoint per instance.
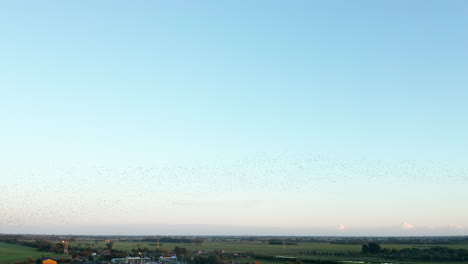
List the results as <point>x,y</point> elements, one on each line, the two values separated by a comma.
<point>220,117</point>
<point>211,230</point>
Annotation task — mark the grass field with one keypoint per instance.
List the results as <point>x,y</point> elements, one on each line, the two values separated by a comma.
<point>237,247</point>
<point>263,248</point>
<point>10,253</point>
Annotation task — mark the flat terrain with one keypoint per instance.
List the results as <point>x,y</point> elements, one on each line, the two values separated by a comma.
<point>259,247</point>
<point>264,248</point>
<point>10,253</point>
<point>237,247</point>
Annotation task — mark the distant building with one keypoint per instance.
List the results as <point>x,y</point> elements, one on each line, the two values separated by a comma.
<point>171,257</point>
<point>129,260</point>
<point>48,261</point>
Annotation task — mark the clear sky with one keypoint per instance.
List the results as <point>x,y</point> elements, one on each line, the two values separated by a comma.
<point>234,117</point>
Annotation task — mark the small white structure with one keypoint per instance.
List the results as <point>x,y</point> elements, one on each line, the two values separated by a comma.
<point>169,257</point>
<point>130,260</point>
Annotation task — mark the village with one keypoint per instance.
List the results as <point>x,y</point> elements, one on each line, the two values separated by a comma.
<point>144,258</point>
<point>195,256</point>
<point>93,253</point>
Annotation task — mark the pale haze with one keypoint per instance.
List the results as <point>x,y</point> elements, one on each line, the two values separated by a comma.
<point>234,117</point>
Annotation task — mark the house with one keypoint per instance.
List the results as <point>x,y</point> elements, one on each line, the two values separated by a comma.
<point>130,260</point>
<point>48,261</point>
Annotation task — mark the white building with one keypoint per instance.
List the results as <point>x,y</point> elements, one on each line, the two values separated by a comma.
<point>130,260</point>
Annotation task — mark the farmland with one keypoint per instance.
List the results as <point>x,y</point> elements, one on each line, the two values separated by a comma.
<point>10,253</point>
<point>260,249</point>
<point>263,248</point>
<point>257,247</point>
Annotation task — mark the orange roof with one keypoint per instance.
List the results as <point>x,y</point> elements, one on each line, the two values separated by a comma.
<point>49,261</point>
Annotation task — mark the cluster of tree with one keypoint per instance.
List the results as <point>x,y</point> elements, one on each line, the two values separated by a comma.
<point>429,254</point>
<point>424,240</point>
<point>276,241</point>
<point>371,248</point>
<point>325,253</point>
<point>319,261</point>
<point>396,240</point>
<point>295,260</point>
<point>185,255</point>
<point>197,240</point>
<point>212,259</point>
<point>426,254</point>
<point>182,253</point>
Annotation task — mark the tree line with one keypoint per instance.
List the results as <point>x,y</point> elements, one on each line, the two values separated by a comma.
<point>196,240</point>
<point>436,253</point>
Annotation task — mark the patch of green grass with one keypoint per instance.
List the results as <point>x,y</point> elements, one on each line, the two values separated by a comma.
<point>259,247</point>
<point>10,253</point>
<point>235,247</point>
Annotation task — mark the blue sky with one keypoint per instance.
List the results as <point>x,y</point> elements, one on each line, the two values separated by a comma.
<point>349,115</point>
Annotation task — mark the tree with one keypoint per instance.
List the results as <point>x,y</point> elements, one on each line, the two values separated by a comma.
<point>371,248</point>
<point>365,249</point>
<point>198,240</point>
<point>374,248</point>
<point>109,245</point>
<point>181,251</point>
<point>214,259</point>
<point>299,261</point>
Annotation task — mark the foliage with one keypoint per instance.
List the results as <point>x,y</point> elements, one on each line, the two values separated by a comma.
<point>371,248</point>
<point>281,242</point>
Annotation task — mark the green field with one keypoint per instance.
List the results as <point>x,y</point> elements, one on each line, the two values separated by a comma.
<point>236,247</point>
<point>10,253</point>
<point>262,248</point>
<point>258,247</point>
